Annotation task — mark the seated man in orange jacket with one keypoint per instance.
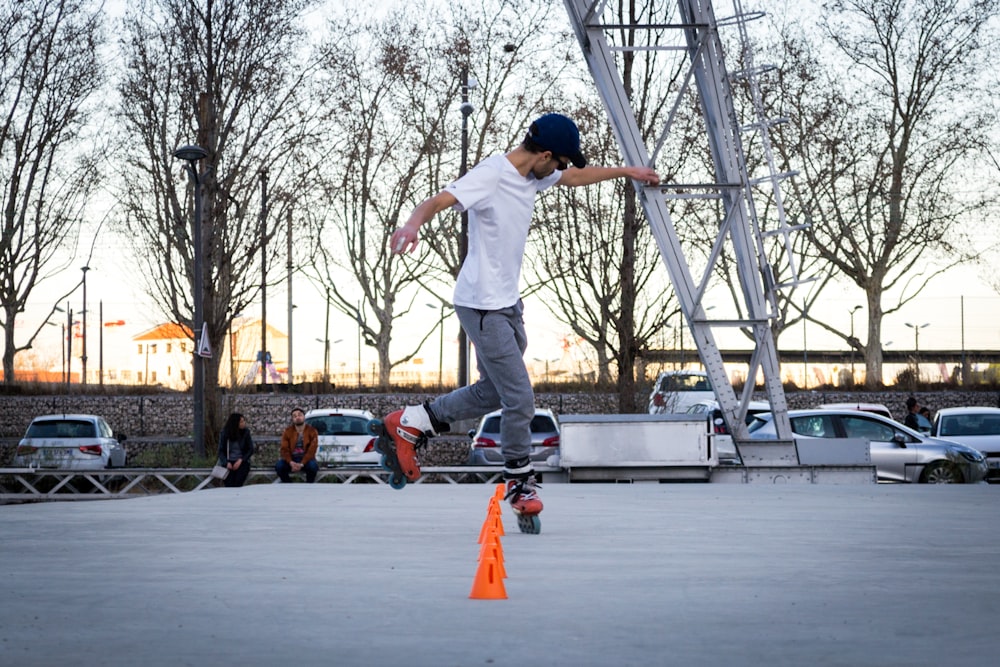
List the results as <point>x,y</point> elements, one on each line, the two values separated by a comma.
<point>299,444</point>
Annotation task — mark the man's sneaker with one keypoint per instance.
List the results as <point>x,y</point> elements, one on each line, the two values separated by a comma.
<point>409,429</point>
<point>523,496</point>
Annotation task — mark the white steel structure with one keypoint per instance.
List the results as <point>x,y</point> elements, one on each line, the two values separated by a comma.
<point>694,29</point>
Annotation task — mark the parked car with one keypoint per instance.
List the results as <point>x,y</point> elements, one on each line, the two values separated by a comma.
<point>675,391</point>
<point>874,408</point>
<point>711,410</point>
<point>716,424</point>
<point>973,427</point>
<point>898,453</point>
<point>484,450</point>
<point>70,442</point>
<point>344,438</point>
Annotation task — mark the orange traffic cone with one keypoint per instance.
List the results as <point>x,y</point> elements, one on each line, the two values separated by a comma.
<point>493,524</point>
<point>492,549</point>
<point>488,584</point>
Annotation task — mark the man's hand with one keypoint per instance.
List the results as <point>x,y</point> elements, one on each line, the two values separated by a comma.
<point>296,466</point>
<point>643,175</point>
<point>404,239</point>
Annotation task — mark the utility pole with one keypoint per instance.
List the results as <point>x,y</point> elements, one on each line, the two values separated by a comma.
<point>263,278</point>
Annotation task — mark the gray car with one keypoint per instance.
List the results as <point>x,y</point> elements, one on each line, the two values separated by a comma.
<point>898,453</point>
<point>973,427</point>
<point>484,450</point>
<point>70,442</point>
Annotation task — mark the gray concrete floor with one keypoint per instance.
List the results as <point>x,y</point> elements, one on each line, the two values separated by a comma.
<point>644,574</point>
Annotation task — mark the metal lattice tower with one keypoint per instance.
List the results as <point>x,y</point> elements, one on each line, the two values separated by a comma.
<point>740,241</point>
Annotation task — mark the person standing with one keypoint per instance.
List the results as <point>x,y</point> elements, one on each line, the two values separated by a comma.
<point>299,444</point>
<point>499,195</point>
<point>912,410</point>
<point>235,449</point>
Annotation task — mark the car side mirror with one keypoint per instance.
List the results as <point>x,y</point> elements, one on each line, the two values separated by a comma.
<point>472,432</point>
<point>121,438</point>
<point>900,440</point>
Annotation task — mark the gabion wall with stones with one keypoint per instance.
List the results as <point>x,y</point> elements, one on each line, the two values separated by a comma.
<point>152,420</point>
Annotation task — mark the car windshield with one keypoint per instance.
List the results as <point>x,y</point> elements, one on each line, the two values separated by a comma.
<point>339,425</point>
<point>685,383</point>
<point>62,428</point>
<point>539,424</point>
<point>970,425</point>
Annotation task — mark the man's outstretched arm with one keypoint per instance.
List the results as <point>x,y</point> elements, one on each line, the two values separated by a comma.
<point>590,175</point>
<point>405,238</point>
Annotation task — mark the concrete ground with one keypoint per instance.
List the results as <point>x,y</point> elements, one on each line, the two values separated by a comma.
<point>643,574</point>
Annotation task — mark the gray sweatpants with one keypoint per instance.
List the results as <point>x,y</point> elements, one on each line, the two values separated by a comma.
<point>500,341</point>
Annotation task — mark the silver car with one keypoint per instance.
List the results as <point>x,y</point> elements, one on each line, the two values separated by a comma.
<point>973,427</point>
<point>485,446</point>
<point>344,438</point>
<point>70,442</point>
<point>898,453</point>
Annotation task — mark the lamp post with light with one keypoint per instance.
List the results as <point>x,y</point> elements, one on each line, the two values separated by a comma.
<point>916,346</point>
<point>468,83</point>
<point>83,352</point>
<point>192,155</point>
<point>440,345</point>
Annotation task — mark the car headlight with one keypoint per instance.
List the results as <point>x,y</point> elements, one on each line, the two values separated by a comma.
<point>975,457</point>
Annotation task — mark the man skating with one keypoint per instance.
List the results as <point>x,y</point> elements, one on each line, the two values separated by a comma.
<point>499,195</point>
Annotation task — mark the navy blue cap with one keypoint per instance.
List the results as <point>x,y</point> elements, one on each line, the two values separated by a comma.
<point>558,134</point>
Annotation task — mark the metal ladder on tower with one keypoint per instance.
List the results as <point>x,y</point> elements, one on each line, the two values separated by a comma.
<point>739,238</point>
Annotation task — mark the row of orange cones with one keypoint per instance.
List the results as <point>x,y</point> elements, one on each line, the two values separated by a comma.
<point>488,584</point>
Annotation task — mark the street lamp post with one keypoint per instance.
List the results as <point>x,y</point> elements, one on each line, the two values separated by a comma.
<point>68,341</point>
<point>191,155</point>
<point>359,346</point>
<point>83,352</point>
<point>805,351</point>
<point>463,240</point>
<point>916,346</point>
<point>440,346</point>
<point>853,310</point>
<point>326,342</point>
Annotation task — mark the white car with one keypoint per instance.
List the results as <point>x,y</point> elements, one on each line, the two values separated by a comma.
<point>70,442</point>
<point>974,427</point>
<point>675,391</point>
<point>344,438</point>
<point>899,454</point>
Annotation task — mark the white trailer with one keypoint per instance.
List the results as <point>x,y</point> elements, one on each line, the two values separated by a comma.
<point>681,448</point>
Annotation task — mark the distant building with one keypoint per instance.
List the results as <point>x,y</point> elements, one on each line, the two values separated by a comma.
<point>163,356</point>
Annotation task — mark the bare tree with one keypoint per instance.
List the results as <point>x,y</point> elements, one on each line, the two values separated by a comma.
<point>48,71</point>
<point>881,155</point>
<point>607,279</point>
<point>225,75</point>
<point>583,260</point>
<point>394,139</point>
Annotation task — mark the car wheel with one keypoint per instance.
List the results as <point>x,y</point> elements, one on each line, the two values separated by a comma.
<point>942,472</point>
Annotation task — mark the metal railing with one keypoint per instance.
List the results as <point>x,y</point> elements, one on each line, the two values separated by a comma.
<point>25,484</point>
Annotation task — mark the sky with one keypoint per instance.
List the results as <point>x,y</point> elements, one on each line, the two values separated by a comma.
<point>111,284</point>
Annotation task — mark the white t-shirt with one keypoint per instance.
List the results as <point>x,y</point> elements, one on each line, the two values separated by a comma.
<point>500,203</point>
